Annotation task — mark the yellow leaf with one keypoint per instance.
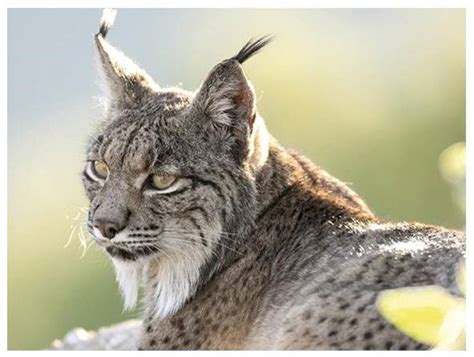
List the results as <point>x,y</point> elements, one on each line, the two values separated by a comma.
<point>419,312</point>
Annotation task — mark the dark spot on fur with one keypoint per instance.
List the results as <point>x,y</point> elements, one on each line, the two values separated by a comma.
<point>344,306</point>
<point>368,335</point>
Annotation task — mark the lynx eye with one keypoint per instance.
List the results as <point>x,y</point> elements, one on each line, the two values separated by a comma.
<point>100,169</point>
<point>162,182</point>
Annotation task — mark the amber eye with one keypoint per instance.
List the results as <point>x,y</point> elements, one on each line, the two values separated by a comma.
<point>100,169</point>
<point>162,182</point>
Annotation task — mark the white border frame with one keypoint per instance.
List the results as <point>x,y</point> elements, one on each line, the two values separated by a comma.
<point>468,5</point>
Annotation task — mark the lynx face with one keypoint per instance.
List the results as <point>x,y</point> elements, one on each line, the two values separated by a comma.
<point>170,177</point>
<point>160,181</point>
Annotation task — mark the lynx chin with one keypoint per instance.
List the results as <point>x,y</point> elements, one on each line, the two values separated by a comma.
<point>238,242</point>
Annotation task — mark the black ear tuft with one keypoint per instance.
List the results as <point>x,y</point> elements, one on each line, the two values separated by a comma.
<point>106,22</point>
<point>252,47</point>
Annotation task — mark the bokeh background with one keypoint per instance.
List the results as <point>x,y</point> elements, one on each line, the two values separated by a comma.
<point>373,96</point>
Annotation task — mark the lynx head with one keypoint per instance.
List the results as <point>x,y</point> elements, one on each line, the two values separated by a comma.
<point>170,177</point>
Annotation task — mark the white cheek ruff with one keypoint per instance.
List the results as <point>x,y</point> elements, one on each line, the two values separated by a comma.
<point>177,279</point>
<point>177,276</point>
<point>128,276</point>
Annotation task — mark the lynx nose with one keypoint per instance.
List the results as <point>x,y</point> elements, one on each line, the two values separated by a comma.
<point>107,229</point>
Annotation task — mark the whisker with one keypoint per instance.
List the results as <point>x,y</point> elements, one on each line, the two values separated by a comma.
<point>131,241</point>
<point>77,228</point>
<point>86,249</point>
<point>179,230</point>
<point>198,238</point>
<point>73,229</point>
<point>82,238</point>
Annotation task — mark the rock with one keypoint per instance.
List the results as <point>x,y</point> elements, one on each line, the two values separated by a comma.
<point>121,336</point>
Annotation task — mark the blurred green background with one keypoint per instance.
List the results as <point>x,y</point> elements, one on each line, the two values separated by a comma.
<point>373,96</point>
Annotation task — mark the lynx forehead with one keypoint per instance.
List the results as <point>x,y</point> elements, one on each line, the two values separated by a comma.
<point>240,242</point>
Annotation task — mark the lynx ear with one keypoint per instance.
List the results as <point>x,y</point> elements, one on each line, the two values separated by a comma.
<point>226,97</point>
<point>125,83</point>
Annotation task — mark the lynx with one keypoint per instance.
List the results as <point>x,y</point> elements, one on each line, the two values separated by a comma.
<point>240,243</point>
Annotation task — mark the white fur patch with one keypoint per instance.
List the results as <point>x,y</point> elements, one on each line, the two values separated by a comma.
<point>410,246</point>
<point>176,272</point>
<point>177,278</point>
<point>128,276</point>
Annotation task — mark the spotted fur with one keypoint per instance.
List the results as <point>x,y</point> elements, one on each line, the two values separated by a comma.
<point>257,248</point>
